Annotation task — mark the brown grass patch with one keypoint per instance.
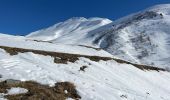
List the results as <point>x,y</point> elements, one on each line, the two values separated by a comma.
<point>65,57</point>
<point>38,41</point>
<point>142,67</point>
<point>58,57</point>
<point>90,47</point>
<point>38,91</point>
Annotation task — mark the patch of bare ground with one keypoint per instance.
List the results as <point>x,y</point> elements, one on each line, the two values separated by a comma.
<point>58,57</point>
<point>90,47</point>
<point>142,67</point>
<point>66,57</point>
<point>38,91</point>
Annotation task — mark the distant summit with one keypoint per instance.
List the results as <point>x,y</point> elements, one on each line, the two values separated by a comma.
<point>72,29</point>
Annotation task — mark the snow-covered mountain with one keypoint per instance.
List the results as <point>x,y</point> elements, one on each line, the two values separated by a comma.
<point>71,31</point>
<point>90,59</point>
<point>141,37</point>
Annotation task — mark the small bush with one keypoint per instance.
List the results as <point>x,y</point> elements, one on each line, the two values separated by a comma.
<point>83,68</point>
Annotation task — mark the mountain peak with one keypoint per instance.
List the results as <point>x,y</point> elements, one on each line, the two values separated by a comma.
<point>69,27</point>
<point>77,19</point>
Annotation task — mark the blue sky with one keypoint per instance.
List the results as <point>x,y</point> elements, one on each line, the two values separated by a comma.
<point>20,17</point>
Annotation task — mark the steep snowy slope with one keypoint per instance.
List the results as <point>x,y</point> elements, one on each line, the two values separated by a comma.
<point>69,32</point>
<point>143,37</point>
<point>95,78</point>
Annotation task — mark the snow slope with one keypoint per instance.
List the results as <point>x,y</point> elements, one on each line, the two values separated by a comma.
<point>111,84</point>
<point>71,31</point>
<point>22,42</point>
<point>141,37</point>
<point>17,90</point>
<point>101,80</point>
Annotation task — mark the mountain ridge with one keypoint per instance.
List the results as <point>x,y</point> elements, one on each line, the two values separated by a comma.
<point>133,38</point>
<point>69,27</point>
